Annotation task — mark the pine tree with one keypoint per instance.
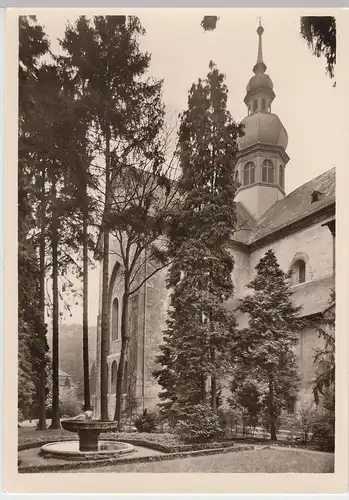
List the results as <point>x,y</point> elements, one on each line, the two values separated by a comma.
<point>199,340</point>
<point>267,344</point>
<point>108,69</point>
<point>33,347</point>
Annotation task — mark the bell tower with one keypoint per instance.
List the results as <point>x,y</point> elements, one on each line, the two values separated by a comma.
<point>262,150</point>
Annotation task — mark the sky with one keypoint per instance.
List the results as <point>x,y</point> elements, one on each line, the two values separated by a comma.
<point>181,51</point>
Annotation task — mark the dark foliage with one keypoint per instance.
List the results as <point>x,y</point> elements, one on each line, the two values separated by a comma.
<point>320,35</point>
<point>199,341</point>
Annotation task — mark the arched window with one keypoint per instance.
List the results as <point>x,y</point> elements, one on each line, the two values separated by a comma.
<point>115,319</point>
<point>298,272</point>
<point>125,381</point>
<point>114,371</point>
<point>282,176</point>
<point>255,105</point>
<point>249,173</point>
<point>263,105</point>
<point>268,172</point>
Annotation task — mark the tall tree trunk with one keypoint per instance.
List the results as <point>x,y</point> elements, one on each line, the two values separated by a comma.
<point>55,424</point>
<point>105,290</point>
<point>42,244</point>
<point>123,354</point>
<point>87,398</point>
<point>273,436</point>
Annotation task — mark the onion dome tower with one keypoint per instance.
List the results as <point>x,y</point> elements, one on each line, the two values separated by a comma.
<point>262,150</point>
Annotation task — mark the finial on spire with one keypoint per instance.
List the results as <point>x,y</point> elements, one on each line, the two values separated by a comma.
<point>260,67</point>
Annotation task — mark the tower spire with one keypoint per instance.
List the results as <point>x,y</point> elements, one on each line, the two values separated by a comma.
<point>260,67</point>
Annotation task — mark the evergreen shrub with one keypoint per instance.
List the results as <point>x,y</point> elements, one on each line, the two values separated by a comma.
<point>146,422</point>
<point>200,425</point>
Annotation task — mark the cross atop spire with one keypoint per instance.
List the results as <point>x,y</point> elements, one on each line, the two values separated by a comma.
<point>260,67</point>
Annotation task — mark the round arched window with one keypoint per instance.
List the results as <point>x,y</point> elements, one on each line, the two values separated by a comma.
<point>115,319</point>
<point>268,172</point>
<point>298,272</point>
<point>249,173</point>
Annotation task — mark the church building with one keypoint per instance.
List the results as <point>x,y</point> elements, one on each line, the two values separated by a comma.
<point>298,226</point>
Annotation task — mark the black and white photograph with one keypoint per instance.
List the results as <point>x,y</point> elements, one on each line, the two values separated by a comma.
<point>176,243</point>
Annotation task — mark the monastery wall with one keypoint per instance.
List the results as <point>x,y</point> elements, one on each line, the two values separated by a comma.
<point>313,244</point>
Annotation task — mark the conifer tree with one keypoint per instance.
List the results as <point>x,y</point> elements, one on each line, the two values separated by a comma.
<point>199,340</point>
<point>33,44</point>
<point>267,344</point>
<point>109,69</point>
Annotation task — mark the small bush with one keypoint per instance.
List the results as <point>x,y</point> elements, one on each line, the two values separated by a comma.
<point>200,425</point>
<point>146,422</point>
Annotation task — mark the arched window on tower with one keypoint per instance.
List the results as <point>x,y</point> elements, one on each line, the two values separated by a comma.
<point>298,272</point>
<point>268,172</point>
<point>114,372</point>
<point>282,176</point>
<point>115,319</point>
<point>255,105</point>
<point>263,105</point>
<point>249,173</point>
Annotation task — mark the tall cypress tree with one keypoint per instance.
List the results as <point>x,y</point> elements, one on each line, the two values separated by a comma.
<point>267,344</point>
<point>199,340</point>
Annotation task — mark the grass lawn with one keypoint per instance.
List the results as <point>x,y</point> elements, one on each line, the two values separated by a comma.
<point>262,460</point>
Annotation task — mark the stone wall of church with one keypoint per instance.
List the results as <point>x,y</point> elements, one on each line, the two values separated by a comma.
<point>155,314</point>
<point>314,244</point>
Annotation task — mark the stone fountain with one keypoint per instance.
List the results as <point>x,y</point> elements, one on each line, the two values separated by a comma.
<point>88,446</point>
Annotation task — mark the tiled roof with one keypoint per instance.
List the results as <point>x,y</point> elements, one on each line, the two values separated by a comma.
<point>63,374</point>
<point>293,207</point>
<point>313,296</point>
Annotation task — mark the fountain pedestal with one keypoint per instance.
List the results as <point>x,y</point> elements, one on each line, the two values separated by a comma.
<point>88,431</point>
<point>88,439</point>
<point>88,447</point>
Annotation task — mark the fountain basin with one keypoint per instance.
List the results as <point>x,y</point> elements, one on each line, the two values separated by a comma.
<point>70,450</point>
<point>88,431</point>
